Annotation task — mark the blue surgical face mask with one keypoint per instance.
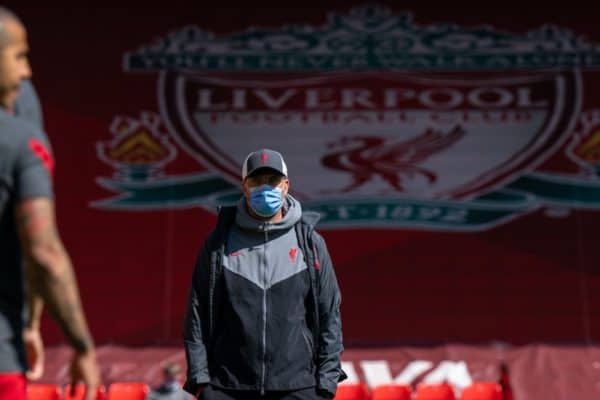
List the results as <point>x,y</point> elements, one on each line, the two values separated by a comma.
<point>266,200</point>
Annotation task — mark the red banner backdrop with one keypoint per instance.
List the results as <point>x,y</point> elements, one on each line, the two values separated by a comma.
<point>452,152</point>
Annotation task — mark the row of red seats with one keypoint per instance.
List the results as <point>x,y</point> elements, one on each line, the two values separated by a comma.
<point>116,391</point>
<point>138,391</point>
<point>443,391</point>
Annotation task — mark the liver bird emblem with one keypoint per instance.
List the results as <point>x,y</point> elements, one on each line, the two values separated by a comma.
<point>394,161</point>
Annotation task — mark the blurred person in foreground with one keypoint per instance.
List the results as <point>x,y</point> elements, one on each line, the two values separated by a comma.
<point>170,388</point>
<point>34,266</point>
<point>263,318</point>
<point>27,107</point>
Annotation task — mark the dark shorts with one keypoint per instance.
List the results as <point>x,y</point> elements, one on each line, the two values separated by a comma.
<point>214,393</point>
<point>13,386</point>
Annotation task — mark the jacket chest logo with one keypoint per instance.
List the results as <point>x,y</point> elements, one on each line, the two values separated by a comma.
<point>293,253</point>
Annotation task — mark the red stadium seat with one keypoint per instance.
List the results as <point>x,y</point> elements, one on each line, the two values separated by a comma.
<point>482,391</point>
<point>438,391</point>
<point>128,391</point>
<point>356,391</point>
<point>80,392</point>
<point>38,391</point>
<point>391,392</point>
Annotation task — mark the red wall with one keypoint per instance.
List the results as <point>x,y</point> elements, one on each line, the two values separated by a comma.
<point>535,278</point>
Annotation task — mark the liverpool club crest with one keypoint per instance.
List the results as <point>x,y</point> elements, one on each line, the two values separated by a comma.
<point>383,122</point>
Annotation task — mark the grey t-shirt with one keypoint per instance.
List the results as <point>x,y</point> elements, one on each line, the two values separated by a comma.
<point>25,172</point>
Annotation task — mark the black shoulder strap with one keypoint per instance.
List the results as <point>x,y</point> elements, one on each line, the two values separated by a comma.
<point>225,220</point>
<point>304,232</point>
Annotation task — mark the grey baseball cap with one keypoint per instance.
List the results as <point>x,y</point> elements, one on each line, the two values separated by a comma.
<point>264,158</point>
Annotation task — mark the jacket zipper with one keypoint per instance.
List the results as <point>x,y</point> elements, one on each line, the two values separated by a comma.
<point>264,336</point>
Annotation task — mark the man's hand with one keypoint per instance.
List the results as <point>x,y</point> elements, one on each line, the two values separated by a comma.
<point>84,367</point>
<point>34,346</point>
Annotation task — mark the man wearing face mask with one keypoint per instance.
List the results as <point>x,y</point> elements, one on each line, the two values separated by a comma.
<point>263,315</point>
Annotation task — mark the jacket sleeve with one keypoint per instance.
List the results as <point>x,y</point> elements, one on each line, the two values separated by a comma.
<point>330,323</point>
<point>193,334</point>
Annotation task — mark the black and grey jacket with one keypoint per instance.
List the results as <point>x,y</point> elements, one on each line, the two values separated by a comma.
<point>264,306</point>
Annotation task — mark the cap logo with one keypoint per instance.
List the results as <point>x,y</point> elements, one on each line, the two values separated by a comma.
<point>263,158</point>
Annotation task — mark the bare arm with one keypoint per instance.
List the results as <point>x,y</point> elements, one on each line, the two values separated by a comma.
<point>36,306</point>
<point>50,274</point>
